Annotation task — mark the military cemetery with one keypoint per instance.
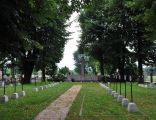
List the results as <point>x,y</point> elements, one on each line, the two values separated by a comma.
<point>78,60</point>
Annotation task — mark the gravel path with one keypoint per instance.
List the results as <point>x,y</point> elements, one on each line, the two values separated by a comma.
<point>60,107</point>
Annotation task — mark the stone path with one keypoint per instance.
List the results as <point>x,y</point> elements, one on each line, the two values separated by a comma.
<point>60,107</point>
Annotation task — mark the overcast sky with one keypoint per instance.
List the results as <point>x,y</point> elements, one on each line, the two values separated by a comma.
<point>71,46</point>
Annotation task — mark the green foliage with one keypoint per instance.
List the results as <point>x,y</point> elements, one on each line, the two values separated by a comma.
<point>64,70</point>
<point>59,77</point>
<point>51,70</point>
<point>77,62</point>
<point>34,31</point>
<point>110,29</point>
<point>91,64</point>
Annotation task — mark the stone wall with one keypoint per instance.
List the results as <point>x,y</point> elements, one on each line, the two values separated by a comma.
<point>79,78</point>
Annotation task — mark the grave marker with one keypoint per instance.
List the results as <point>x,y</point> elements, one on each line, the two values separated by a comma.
<point>4,98</point>
<point>132,107</point>
<point>15,94</point>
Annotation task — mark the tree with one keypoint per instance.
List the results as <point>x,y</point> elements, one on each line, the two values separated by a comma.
<point>142,41</point>
<point>30,28</point>
<point>112,28</point>
<point>64,70</point>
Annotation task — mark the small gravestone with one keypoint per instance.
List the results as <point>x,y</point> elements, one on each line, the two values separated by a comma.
<point>19,84</point>
<point>46,86</point>
<point>1,83</point>
<point>141,85</point>
<point>53,84</point>
<point>15,95</point>
<point>35,89</point>
<point>146,86</point>
<point>119,99</point>
<point>125,102</point>
<point>4,99</point>
<point>132,107</point>
<point>22,94</point>
<point>41,88</point>
<point>107,88</point>
<point>116,95</point>
<point>113,92</point>
<point>104,86</point>
<point>56,83</point>
<point>151,85</point>
<point>109,91</point>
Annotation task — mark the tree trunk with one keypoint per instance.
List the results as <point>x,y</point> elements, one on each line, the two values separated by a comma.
<point>28,67</point>
<point>2,74</point>
<point>151,77</point>
<point>43,74</point>
<point>140,70</point>
<point>122,70</point>
<point>140,62</point>
<point>101,67</point>
<point>12,74</point>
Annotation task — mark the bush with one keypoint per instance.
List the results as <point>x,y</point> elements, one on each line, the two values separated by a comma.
<point>59,77</point>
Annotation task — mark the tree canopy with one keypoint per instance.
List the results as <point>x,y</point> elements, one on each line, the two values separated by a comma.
<point>119,34</point>
<point>34,32</point>
<point>115,33</point>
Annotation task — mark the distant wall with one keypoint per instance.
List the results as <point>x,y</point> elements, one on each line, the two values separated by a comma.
<point>78,78</point>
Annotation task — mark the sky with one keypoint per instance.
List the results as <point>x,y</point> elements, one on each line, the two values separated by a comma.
<point>71,45</point>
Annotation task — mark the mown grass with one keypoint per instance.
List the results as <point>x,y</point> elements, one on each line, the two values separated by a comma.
<point>26,108</point>
<point>99,105</point>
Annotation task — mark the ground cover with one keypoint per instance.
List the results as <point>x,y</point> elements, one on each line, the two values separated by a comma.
<point>94,103</point>
<point>26,108</point>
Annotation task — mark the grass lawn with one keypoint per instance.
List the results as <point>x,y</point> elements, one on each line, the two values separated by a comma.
<point>94,103</point>
<point>26,108</point>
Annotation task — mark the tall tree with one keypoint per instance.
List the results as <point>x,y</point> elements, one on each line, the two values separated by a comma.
<point>114,27</point>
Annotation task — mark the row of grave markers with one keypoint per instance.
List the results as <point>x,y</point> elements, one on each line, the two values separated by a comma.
<point>4,98</point>
<point>116,86</point>
<point>36,89</point>
<point>131,106</point>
